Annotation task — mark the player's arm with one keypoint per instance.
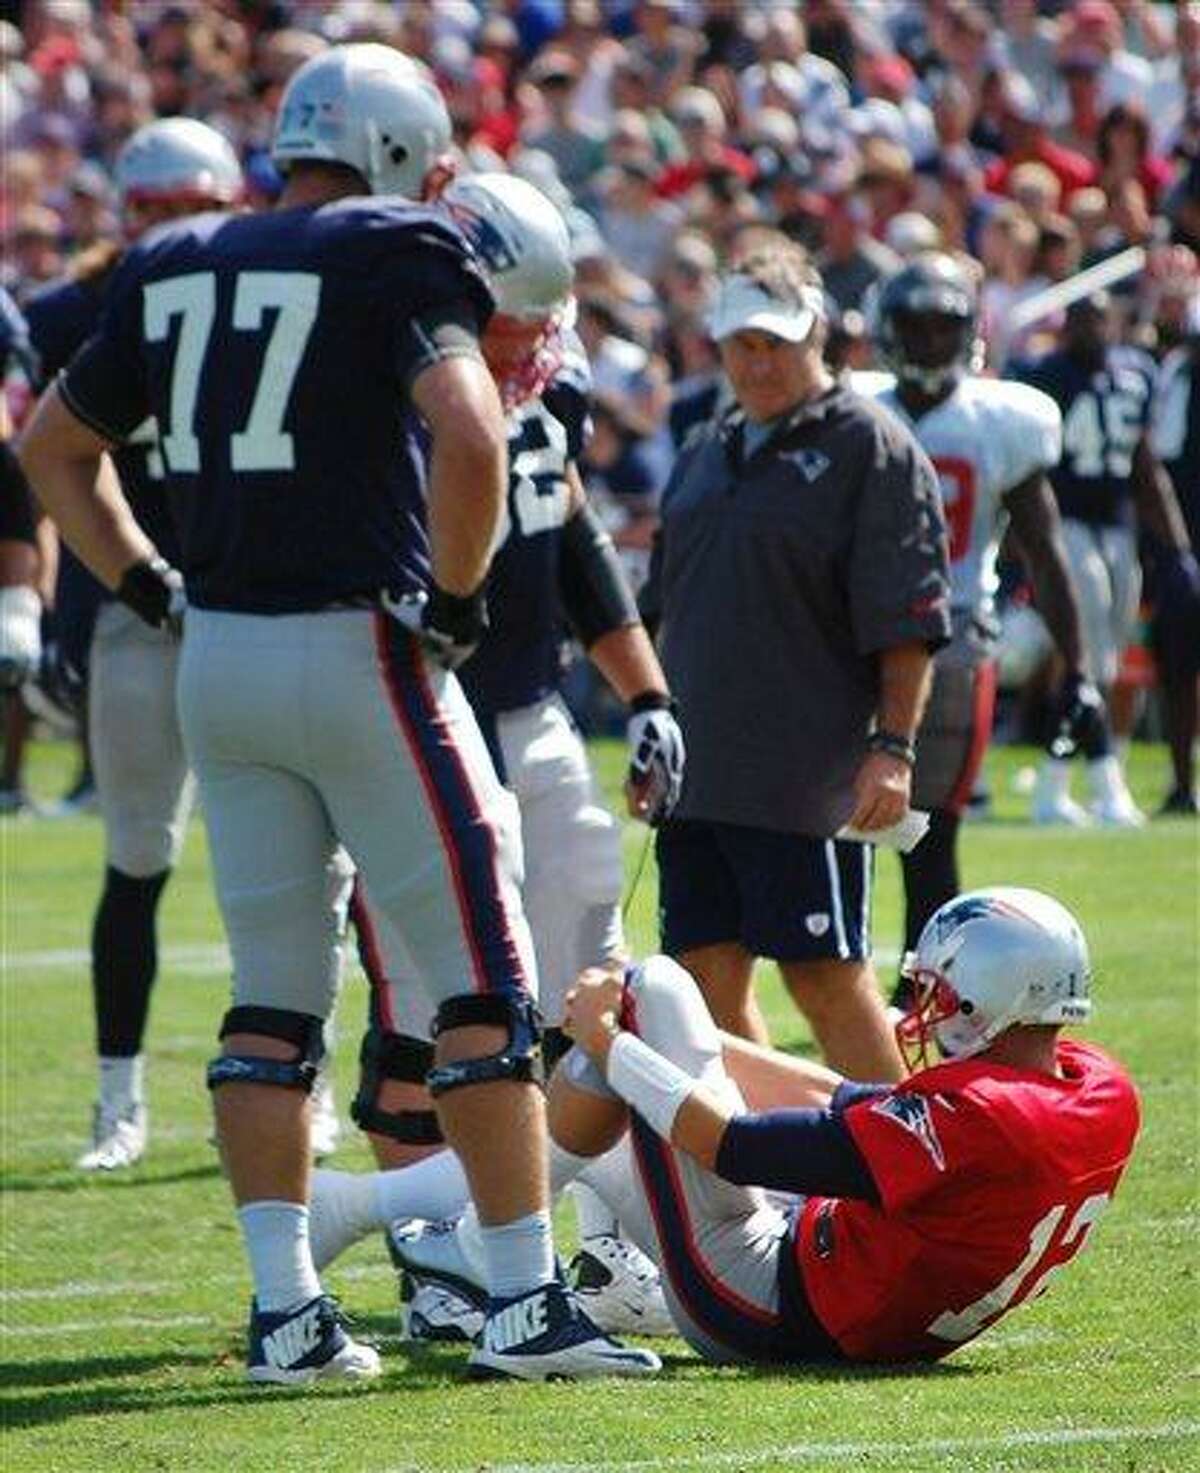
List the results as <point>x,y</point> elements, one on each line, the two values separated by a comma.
<point>1157,504</point>
<point>1038,530</point>
<point>468,472</point>
<point>74,481</point>
<point>801,1150</point>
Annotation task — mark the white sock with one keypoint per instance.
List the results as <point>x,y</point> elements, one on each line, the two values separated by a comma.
<point>434,1188</point>
<point>122,1082</point>
<point>276,1237</point>
<point>341,1210</point>
<point>519,1255</point>
<point>596,1217</point>
<point>564,1168</point>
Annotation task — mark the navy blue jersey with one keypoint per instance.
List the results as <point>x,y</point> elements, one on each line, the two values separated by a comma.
<point>519,660</point>
<point>1105,414</point>
<point>62,317</point>
<point>276,353</point>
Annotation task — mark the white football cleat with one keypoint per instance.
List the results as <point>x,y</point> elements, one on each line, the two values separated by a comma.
<point>619,1287</point>
<point>306,1344</point>
<point>118,1139</point>
<point>545,1336</point>
<point>1052,801</point>
<point>325,1129</point>
<point>435,1312</point>
<point>1112,802</point>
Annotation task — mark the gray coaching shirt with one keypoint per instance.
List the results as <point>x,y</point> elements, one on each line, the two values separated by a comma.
<point>777,579</point>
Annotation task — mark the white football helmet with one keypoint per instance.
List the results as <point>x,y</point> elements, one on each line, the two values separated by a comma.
<point>368,106</point>
<point>522,240</point>
<point>178,160</point>
<point>989,959</point>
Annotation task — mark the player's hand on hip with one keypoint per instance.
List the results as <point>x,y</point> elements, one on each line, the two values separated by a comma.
<point>882,788</point>
<point>153,589</point>
<point>450,626</point>
<point>656,759</point>
<point>593,1010</point>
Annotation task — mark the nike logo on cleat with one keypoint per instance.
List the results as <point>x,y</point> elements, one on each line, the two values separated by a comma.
<point>293,1340</point>
<point>519,1322</point>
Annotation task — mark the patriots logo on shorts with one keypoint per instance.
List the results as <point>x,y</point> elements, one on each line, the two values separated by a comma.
<point>912,1112</point>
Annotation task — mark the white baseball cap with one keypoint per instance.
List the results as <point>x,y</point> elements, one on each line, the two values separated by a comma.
<point>742,303</point>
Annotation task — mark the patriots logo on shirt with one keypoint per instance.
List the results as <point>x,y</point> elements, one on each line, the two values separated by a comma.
<point>810,463</point>
<point>912,1112</point>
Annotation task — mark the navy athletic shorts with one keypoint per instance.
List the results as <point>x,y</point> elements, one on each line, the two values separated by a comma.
<point>785,896</point>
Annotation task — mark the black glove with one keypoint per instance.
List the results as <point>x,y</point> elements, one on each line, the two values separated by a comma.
<point>1080,718</point>
<point>449,626</point>
<point>154,591</point>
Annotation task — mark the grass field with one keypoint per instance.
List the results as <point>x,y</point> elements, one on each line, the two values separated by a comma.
<point>124,1299</point>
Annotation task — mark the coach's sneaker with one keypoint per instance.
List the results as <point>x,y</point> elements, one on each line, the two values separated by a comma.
<point>118,1138</point>
<point>1112,802</point>
<point>545,1336</point>
<point>619,1287</point>
<point>295,1346</point>
<point>1052,801</point>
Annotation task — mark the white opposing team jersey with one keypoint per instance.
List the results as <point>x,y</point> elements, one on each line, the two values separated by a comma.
<point>985,439</point>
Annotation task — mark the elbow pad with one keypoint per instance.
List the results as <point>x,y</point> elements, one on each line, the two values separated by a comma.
<point>592,583</point>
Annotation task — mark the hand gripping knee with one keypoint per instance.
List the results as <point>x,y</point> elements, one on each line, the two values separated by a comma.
<point>519,1060</point>
<point>303,1030</point>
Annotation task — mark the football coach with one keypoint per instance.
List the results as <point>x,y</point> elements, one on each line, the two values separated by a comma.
<point>800,585</point>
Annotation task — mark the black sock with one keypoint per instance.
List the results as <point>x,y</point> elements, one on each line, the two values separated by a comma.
<point>124,959</point>
<point>930,879</point>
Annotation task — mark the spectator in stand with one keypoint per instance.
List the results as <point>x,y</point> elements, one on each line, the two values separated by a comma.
<point>576,147</point>
<point>702,126</point>
<point>1029,44</point>
<point>667,47</point>
<point>1080,71</point>
<point>33,250</point>
<point>638,225</point>
<point>1025,140</point>
<point>1123,153</point>
<point>851,260</point>
<point>1093,26</point>
<point>631,91</point>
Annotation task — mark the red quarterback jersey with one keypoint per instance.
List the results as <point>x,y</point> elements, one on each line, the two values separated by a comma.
<point>989,1178</point>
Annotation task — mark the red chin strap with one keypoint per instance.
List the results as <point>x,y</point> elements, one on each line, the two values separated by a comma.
<point>529,378</point>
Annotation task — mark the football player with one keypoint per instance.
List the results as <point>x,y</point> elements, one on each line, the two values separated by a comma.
<point>992,445</point>
<point>335,455</point>
<point>923,1211</point>
<point>168,169</point>
<point>1176,430</point>
<point>1107,483</point>
<point>553,558</point>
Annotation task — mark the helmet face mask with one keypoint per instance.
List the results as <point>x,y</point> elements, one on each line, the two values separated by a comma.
<point>369,107</point>
<point>988,961</point>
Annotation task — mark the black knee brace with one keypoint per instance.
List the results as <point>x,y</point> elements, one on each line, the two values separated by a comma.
<point>520,1059</point>
<point>393,1056</point>
<point>301,1029</point>
<point>555,1044</point>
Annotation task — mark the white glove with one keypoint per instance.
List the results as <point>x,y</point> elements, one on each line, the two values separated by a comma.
<point>20,634</point>
<point>656,760</point>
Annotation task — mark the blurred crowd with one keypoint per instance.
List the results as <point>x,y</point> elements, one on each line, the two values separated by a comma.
<point>1032,138</point>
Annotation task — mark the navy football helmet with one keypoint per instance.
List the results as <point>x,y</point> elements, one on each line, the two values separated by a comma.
<point>924,322</point>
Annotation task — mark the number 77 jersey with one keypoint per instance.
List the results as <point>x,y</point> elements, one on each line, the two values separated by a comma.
<point>275,353</point>
<point>990,1181</point>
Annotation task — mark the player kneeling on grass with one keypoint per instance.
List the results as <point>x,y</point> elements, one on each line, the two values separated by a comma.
<point>925,1210</point>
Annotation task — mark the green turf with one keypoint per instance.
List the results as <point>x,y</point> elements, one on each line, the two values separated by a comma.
<point>124,1298</point>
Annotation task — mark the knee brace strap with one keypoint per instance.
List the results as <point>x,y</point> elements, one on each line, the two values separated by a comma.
<point>555,1044</point>
<point>393,1056</point>
<point>303,1030</point>
<point>519,1060</point>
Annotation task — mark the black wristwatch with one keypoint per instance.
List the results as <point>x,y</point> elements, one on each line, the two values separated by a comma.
<point>893,744</point>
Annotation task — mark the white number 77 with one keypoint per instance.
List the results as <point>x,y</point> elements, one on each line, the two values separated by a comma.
<point>959,1325</point>
<point>263,445</point>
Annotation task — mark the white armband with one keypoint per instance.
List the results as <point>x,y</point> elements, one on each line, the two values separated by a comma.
<point>647,1082</point>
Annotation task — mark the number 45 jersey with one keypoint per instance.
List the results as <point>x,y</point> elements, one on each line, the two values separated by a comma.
<point>990,1179</point>
<point>984,439</point>
<point>276,353</point>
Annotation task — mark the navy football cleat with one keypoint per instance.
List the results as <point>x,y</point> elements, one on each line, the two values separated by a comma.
<point>545,1336</point>
<point>295,1346</point>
